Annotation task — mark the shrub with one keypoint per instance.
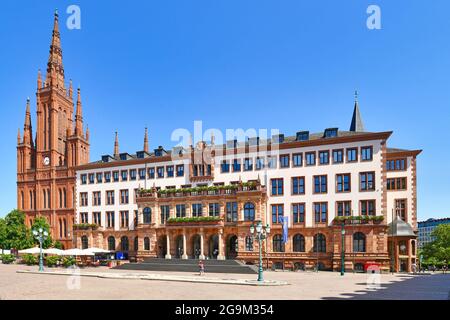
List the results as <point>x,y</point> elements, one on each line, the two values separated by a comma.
<point>52,261</point>
<point>30,259</point>
<point>8,258</point>
<point>68,261</point>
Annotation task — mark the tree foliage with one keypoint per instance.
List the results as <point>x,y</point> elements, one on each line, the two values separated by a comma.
<point>38,223</point>
<point>18,236</point>
<point>438,251</point>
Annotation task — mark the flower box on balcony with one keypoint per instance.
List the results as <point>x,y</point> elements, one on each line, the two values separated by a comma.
<point>195,220</point>
<point>85,226</point>
<point>359,220</point>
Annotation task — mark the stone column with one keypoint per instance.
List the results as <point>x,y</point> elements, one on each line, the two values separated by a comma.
<point>221,255</point>
<point>201,256</point>
<point>184,256</point>
<point>168,256</point>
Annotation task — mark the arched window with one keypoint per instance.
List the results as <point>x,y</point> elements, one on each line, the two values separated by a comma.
<point>136,244</point>
<point>124,245</point>
<point>359,242</point>
<point>65,228</point>
<point>60,198</point>
<point>278,245</point>
<point>249,212</point>
<point>60,228</point>
<point>147,243</point>
<point>64,198</point>
<point>44,192</point>
<point>48,199</point>
<point>111,243</point>
<point>248,244</point>
<point>320,243</point>
<point>84,242</point>
<point>147,215</point>
<point>298,243</point>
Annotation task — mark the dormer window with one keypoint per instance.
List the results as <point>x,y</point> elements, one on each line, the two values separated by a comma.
<point>330,133</point>
<point>302,136</point>
<point>159,152</point>
<point>140,154</point>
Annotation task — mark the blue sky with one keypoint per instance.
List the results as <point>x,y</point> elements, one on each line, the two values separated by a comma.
<point>287,64</point>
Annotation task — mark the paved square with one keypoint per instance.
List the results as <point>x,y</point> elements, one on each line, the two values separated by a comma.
<point>304,285</point>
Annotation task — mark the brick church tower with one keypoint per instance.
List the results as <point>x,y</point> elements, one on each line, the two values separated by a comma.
<point>46,166</point>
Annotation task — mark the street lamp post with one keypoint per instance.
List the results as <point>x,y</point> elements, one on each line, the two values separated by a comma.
<point>41,235</point>
<point>260,233</point>
<point>343,250</point>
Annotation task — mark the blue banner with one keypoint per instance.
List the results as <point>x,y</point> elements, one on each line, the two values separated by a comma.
<point>285,222</point>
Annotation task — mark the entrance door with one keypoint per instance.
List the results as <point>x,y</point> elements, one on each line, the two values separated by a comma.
<point>179,247</point>
<point>196,246</point>
<point>403,265</point>
<point>232,245</point>
<point>162,247</point>
<point>213,246</point>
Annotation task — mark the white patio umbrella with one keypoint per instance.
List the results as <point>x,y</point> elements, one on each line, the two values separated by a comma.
<point>54,251</point>
<point>76,252</point>
<point>34,250</point>
<point>97,250</point>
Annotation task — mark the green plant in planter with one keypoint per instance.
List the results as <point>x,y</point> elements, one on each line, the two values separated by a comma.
<point>30,260</point>
<point>68,261</point>
<point>52,261</point>
<point>8,258</point>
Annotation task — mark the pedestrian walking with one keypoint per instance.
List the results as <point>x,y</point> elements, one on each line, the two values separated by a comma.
<point>201,266</point>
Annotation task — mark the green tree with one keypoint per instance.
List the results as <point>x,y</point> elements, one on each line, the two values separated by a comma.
<point>3,235</point>
<point>41,222</point>
<point>438,251</point>
<point>18,236</point>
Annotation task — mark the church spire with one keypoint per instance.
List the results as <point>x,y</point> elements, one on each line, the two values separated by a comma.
<point>18,136</point>
<point>79,115</point>
<point>55,68</point>
<point>116,146</point>
<point>27,129</point>
<point>357,124</point>
<point>146,140</point>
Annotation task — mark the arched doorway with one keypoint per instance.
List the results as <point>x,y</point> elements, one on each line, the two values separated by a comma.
<point>162,246</point>
<point>179,247</point>
<point>213,246</point>
<point>195,253</point>
<point>232,245</point>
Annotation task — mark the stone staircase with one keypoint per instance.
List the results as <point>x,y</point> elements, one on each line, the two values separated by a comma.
<point>190,265</point>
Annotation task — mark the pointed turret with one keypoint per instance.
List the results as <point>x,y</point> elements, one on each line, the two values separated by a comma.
<point>357,124</point>
<point>116,146</point>
<point>39,79</point>
<point>18,136</point>
<point>146,140</point>
<point>79,115</point>
<point>55,68</point>
<point>70,89</point>
<point>88,133</point>
<point>27,129</point>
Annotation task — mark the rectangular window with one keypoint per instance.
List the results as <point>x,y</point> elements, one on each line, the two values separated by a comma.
<point>277,187</point>
<point>271,162</point>
<point>320,212</point>
<point>324,157</point>
<point>259,163</point>
<point>165,213</point>
<point>91,178</point>
<point>180,210</point>
<point>320,184</point>
<point>366,153</point>
<point>96,196</point>
<point>116,176</point>
<point>352,154</point>
<point>97,218</point>
<point>277,212</point>
<point>396,165</point>
<point>236,165</point>
<point>310,158</point>
<point>108,177</point>
<point>133,174</point>
<point>225,166</point>
<point>124,219</point>
<point>110,219</point>
<point>298,185</point>
<point>99,177</point>
<point>231,212</point>
<point>400,209</point>
<point>180,170</point>
<point>394,184</point>
<point>367,207</point>
<point>343,182</point>
<point>124,175</point>
<point>248,164</point>
<point>83,179</point>
<point>151,173</point>
<point>170,172</point>
<point>297,159</point>
<point>214,210</point>
<point>109,197</point>
<point>84,199</point>
<point>367,181</point>
<point>123,196</point>
<point>84,217</point>
<point>298,212</point>
<point>142,174</point>
<point>197,210</point>
<point>338,156</point>
<point>284,161</point>
<point>160,172</point>
<point>344,208</point>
